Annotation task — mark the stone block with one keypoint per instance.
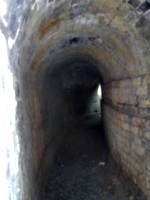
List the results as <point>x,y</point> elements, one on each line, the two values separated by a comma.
<point>148,89</point>
<point>133,109</point>
<point>133,171</point>
<point>148,164</point>
<point>147,134</point>
<point>126,126</point>
<point>134,129</point>
<point>139,122</point>
<point>142,90</point>
<point>137,81</point>
<point>135,180</point>
<point>146,79</point>
<point>148,185</point>
<point>140,177</point>
<point>140,151</point>
<point>142,111</point>
<point>138,167</point>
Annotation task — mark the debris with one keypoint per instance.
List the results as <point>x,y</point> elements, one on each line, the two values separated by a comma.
<point>102,163</point>
<point>131,198</point>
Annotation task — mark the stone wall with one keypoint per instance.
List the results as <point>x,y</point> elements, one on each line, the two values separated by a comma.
<point>126,123</point>
<point>128,139</point>
<point>112,37</point>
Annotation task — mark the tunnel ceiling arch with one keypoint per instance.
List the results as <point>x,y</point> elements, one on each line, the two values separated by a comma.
<point>110,31</point>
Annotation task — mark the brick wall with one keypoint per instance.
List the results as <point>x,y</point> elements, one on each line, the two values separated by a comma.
<point>127,127</point>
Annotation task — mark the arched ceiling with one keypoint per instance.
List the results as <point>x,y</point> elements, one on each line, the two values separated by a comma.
<point>114,33</point>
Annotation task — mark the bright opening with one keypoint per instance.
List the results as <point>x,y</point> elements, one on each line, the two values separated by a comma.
<point>9,142</point>
<point>99,92</point>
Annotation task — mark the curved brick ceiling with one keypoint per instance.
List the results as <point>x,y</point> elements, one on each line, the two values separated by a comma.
<point>115,33</point>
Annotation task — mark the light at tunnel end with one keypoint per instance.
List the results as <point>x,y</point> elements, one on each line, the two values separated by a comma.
<point>99,92</point>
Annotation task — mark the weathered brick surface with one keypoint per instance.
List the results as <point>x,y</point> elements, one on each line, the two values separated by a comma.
<point>128,144</point>
<point>112,35</point>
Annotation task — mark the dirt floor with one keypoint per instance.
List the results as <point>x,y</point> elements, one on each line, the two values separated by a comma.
<point>83,169</point>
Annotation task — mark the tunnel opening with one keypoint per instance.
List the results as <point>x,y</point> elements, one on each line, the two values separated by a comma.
<point>77,163</point>
<point>69,97</point>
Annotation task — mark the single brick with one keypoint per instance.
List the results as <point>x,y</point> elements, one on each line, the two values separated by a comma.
<point>137,81</point>
<point>134,129</point>
<point>138,167</point>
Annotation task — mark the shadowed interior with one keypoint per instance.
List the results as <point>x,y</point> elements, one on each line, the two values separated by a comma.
<point>61,51</point>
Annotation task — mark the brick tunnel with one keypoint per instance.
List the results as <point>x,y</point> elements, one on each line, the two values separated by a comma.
<point>59,52</point>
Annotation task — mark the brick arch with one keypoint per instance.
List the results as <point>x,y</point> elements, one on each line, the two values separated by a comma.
<point>113,36</point>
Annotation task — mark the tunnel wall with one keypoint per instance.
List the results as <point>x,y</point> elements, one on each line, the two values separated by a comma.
<point>114,36</point>
<point>129,146</point>
<point>126,123</point>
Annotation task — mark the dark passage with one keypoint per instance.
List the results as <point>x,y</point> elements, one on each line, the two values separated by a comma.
<point>83,169</point>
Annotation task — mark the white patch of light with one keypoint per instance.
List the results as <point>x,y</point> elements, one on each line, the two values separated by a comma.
<point>99,92</point>
<point>3,11</point>
<point>3,8</point>
<point>4,22</point>
<point>9,143</point>
<point>10,42</point>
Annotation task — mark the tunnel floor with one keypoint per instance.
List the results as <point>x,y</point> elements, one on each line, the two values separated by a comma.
<point>84,169</point>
